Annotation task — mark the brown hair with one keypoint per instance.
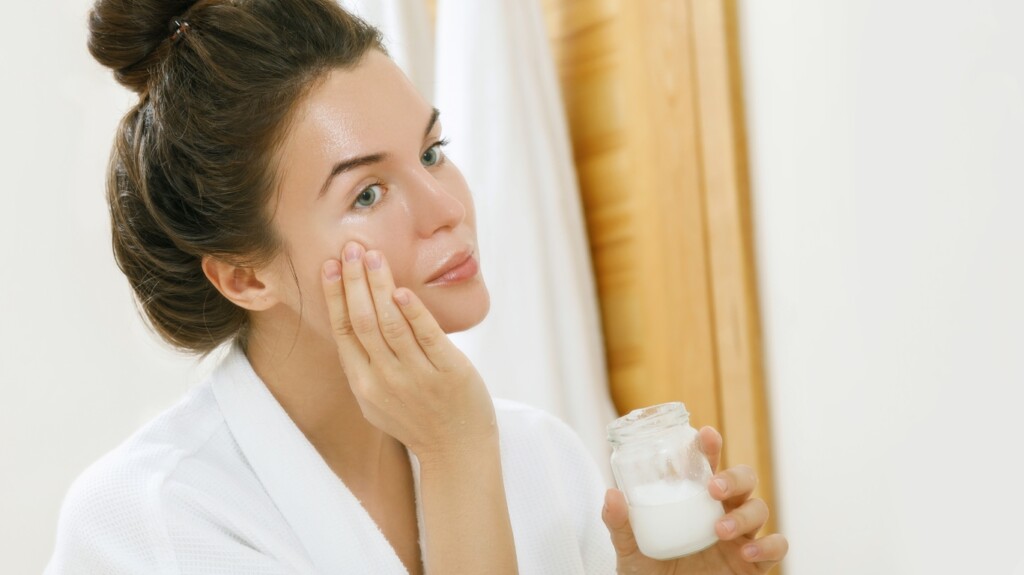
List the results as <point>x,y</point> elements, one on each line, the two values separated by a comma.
<point>191,171</point>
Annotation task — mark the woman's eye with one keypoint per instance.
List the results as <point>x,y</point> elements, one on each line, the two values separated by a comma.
<point>370,196</point>
<point>433,156</point>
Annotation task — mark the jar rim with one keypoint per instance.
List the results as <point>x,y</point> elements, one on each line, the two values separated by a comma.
<point>642,421</point>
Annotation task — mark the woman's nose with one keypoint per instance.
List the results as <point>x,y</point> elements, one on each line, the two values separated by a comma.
<point>434,206</point>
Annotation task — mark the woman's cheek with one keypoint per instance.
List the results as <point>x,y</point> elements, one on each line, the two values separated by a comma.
<point>401,272</point>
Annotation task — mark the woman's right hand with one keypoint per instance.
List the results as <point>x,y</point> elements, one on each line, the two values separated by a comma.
<point>416,386</point>
<point>409,379</point>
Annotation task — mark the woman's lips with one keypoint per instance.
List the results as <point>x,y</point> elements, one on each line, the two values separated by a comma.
<point>459,268</point>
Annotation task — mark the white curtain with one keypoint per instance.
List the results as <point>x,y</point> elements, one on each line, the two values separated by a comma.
<point>407,36</point>
<point>498,94</point>
<point>500,106</point>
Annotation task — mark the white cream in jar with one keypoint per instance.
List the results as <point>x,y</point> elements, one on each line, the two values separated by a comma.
<point>659,466</point>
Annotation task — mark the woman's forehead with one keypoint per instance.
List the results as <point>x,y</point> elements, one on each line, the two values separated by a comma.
<point>370,108</point>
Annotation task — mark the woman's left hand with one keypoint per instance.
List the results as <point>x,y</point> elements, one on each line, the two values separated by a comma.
<point>737,530</point>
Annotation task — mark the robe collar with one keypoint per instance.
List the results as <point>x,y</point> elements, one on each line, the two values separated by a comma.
<point>336,531</point>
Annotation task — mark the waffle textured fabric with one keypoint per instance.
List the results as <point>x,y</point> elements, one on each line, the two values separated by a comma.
<point>225,483</point>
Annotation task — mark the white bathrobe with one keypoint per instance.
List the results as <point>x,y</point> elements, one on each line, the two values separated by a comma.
<point>225,483</point>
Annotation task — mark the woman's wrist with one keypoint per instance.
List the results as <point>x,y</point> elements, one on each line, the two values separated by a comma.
<point>461,457</point>
<point>468,529</point>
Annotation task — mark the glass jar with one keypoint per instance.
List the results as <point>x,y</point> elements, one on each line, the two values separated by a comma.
<point>659,466</point>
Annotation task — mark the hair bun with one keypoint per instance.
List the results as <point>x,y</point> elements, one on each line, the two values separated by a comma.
<point>125,36</point>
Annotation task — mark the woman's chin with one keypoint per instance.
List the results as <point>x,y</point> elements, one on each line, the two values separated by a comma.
<point>460,325</point>
<point>460,309</point>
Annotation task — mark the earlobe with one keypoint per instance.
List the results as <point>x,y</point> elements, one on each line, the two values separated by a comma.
<point>240,285</point>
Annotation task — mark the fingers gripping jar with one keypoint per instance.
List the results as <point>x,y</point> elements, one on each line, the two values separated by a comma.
<point>659,465</point>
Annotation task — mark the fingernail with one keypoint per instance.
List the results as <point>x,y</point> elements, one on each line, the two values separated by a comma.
<point>332,271</point>
<point>402,297</point>
<point>750,551</point>
<point>373,260</point>
<point>729,524</point>
<point>352,252</point>
<point>722,485</point>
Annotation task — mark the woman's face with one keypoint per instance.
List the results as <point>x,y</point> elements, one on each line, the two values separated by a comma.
<point>362,162</point>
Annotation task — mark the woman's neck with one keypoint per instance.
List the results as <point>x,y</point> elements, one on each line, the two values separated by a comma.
<point>303,372</point>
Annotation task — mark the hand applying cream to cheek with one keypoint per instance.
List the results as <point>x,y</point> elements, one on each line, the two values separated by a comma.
<point>415,385</point>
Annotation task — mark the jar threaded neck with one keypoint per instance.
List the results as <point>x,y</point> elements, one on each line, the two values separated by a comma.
<point>646,421</point>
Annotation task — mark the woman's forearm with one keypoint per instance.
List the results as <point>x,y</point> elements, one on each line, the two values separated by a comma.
<point>465,514</point>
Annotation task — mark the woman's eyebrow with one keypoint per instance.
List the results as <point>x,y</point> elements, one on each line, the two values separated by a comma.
<point>433,120</point>
<point>359,161</point>
<point>346,165</point>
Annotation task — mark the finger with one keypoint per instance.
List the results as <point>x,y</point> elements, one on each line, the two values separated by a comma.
<point>711,444</point>
<point>431,338</point>
<point>747,519</point>
<point>362,313</point>
<point>767,551</point>
<point>616,518</point>
<point>393,325</point>
<point>351,352</point>
<point>733,486</point>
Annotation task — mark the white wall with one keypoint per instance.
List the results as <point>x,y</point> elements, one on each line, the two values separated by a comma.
<point>78,372</point>
<point>887,145</point>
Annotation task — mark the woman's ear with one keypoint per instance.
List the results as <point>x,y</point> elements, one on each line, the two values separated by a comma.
<point>240,285</point>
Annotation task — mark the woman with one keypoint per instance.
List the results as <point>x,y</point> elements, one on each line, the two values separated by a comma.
<point>277,180</point>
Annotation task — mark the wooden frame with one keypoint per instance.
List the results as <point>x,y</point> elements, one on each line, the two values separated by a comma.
<point>654,99</point>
